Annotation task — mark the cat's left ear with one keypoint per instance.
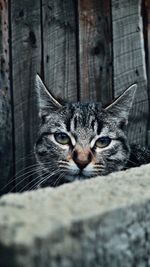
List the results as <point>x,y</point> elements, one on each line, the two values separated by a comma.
<point>120,108</point>
<point>47,103</point>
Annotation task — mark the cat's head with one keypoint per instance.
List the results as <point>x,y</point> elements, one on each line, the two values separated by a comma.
<point>79,141</point>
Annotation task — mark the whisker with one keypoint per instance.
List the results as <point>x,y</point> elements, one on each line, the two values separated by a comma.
<point>63,162</point>
<point>42,175</point>
<point>27,185</point>
<point>18,177</point>
<point>59,178</point>
<point>45,179</point>
<point>132,161</point>
<point>28,176</point>
<point>63,166</point>
<point>38,184</point>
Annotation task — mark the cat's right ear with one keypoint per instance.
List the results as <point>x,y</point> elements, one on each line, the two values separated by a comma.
<point>46,102</point>
<point>120,108</point>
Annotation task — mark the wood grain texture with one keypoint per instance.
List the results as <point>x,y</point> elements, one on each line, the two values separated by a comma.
<point>59,48</point>
<point>146,18</point>
<point>6,156</point>
<point>95,50</point>
<point>26,58</point>
<point>129,63</point>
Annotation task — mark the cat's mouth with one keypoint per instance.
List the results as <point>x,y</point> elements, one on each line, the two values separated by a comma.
<point>81,175</point>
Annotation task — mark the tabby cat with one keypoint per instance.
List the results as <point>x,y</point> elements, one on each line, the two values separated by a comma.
<point>78,141</point>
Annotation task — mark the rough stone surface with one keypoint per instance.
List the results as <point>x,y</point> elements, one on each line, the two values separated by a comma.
<point>102,222</point>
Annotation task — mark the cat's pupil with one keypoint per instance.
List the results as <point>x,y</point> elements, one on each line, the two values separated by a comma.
<point>103,141</point>
<point>62,138</point>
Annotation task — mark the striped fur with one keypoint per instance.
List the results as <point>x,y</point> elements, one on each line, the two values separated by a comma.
<point>84,124</point>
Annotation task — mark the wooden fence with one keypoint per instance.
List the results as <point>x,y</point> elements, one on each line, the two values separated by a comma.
<point>83,49</point>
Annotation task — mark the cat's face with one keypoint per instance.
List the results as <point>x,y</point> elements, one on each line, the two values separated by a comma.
<point>80,141</point>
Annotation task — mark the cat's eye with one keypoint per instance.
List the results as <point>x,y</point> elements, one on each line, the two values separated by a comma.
<point>62,138</point>
<point>103,142</point>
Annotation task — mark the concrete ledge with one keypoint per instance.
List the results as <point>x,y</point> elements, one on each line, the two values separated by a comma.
<point>96,223</point>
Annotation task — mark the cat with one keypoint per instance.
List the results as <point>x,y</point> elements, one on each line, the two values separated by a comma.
<point>78,141</point>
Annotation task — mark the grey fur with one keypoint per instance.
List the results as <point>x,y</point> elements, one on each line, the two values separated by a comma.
<point>84,123</point>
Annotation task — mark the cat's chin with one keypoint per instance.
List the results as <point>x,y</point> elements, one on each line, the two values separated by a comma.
<point>78,177</point>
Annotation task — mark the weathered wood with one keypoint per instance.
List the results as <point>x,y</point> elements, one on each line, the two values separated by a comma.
<point>59,47</point>
<point>129,62</point>
<point>95,50</point>
<point>146,18</point>
<point>6,155</point>
<point>26,58</point>
<point>148,67</point>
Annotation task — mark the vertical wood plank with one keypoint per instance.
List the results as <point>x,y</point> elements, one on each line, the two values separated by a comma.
<point>26,59</point>
<point>6,155</point>
<point>146,18</point>
<point>59,47</point>
<point>95,50</point>
<point>129,62</point>
<point>148,69</point>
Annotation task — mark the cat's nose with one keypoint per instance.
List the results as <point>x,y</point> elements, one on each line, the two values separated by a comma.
<point>82,158</point>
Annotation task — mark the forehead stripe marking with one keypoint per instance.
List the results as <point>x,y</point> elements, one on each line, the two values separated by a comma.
<point>68,122</point>
<point>75,122</point>
<point>99,127</point>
